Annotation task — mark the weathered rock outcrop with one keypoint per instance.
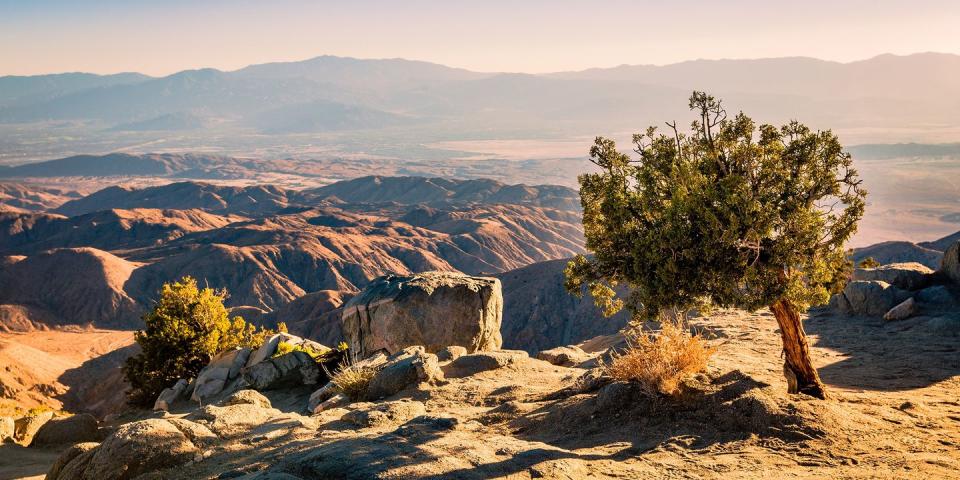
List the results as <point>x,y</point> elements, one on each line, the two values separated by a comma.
<point>287,370</point>
<point>906,276</point>
<point>78,428</point>
<point>132,450</point>
<point>433,309</point>
<point>59,471</point>
<point>26,427</point>
<point>170,395</point>
<point>218,373</point>
<point>873,298</point>
<point>407,367</point>
<point>950,265</point>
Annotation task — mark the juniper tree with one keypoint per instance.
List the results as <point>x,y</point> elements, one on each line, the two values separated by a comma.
<point>729,214</point>
<point>187,327</point>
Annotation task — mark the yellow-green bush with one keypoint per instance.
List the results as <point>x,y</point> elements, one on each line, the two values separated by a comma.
<point>187,327</point>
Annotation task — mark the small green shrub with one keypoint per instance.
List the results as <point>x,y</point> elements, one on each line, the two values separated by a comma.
<point>869,262</point>
<point>187,327</point>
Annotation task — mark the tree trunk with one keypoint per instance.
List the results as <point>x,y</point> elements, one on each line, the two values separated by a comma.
<point>798,367</point>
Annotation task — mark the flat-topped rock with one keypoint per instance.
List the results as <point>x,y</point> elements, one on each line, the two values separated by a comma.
<point>906,276</point>
<point>433,309</point>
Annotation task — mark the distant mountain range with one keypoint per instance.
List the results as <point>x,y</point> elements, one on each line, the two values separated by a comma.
<point>333,94</point>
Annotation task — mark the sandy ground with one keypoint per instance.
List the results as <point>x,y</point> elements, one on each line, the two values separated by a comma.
<point>893,413</point>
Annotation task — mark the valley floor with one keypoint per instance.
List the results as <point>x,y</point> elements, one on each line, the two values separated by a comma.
<point>894,413</point>
<point>53,368</point>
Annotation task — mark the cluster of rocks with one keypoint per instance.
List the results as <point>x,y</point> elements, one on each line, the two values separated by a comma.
<point>406,332</point>
<point>243,368</point>
<point>899,291</point>
<point>46,429</point>
<point>145,446</point>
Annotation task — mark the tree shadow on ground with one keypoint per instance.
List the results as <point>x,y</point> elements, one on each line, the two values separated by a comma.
<point>97,385</point>
<point>887,356</point>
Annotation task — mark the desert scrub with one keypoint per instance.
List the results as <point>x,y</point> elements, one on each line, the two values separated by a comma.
<point>353,380</point>
<point>660,361</point>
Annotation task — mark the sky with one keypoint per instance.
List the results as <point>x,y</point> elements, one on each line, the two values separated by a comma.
<point>533,36</point>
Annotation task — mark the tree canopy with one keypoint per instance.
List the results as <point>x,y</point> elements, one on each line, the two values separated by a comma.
<point>729,213</point>
<point>187,327</point>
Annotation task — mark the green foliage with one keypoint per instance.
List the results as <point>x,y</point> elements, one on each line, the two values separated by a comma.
<point>187,327</point>
<point>284,348</point>
<point>729,214</point>
<point>868,262</point>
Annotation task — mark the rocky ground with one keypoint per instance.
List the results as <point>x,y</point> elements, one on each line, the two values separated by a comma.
<point>894,413</point>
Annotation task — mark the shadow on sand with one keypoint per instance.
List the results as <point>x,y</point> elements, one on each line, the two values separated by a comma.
<point>887,356</point>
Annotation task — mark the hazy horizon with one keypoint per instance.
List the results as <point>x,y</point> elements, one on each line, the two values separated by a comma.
<point>160,38</point>
<point>418,60</point>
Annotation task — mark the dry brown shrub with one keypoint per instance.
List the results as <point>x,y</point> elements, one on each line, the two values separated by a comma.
<point>353,380</point>
<point>660,361</point>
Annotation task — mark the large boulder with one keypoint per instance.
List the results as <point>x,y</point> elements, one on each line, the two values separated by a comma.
<point>936,298</point>
<point>288,370</point>
<point>906,276</point>
<point>950,265</point>
<point>57,471</point>
<point>139,447</point>
<point>432,309</point>
<point>26,427</point>
<point>224,368</point>
<point>871,298</point>
<point>408,367</point>
<point>78,428</point>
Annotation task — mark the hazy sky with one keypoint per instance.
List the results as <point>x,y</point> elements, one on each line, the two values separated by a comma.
<point>160,37</point>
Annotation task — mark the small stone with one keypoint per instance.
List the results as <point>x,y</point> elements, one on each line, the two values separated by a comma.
<point>451,353</point>
<point>564,356</point>
<point>249,397</point>
<point>335,401</point>
<point>321,395</point>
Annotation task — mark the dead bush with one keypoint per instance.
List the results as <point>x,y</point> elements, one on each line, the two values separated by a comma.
<point>660,361</point>
<point>352,380</point>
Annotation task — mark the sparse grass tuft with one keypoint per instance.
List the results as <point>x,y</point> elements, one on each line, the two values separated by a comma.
<point>660,361</point>
<point>352,380</point>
